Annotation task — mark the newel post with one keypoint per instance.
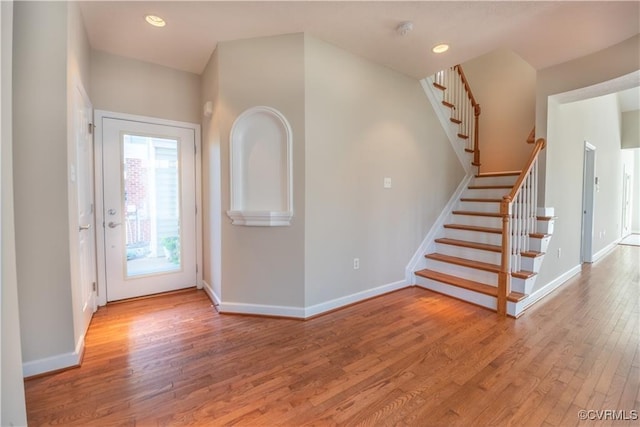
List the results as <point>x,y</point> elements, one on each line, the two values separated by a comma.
<point>504,282</point>
<point>476,143</point>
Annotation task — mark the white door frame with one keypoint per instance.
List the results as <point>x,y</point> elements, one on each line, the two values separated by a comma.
<point>588,202</point>
<point>100,220</point>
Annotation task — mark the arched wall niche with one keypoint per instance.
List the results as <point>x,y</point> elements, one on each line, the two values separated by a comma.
<point>261,168</point>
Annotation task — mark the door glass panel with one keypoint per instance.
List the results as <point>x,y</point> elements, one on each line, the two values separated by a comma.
<point>151,205</point>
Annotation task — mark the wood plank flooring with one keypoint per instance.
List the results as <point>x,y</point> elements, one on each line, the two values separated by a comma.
<point>411,357</point>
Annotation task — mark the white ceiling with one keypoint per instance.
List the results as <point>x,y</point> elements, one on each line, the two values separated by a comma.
<point>543,33</point>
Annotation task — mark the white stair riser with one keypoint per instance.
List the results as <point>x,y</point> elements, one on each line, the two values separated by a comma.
<point>480,207</point>
<point>486,277</point>
<point>469,253</point>
<point>539,245</point>
<point>523,286</point>
<point>545,227</point>
<point>495,180</point>
<point>480,221</point>
<point>473,236</point>
<point>485,193</point>
<point>531,264</point>
<point>460,293</point>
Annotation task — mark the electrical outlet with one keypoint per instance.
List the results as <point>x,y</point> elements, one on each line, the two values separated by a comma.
<point>387,183</point>
<point>356,263</point>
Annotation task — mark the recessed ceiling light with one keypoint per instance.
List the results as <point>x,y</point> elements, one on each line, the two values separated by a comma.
<point>154,20</point>
<point>441,48</point>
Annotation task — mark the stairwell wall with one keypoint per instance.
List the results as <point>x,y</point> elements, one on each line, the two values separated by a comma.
<point>365,122</point>
<point>505,87</point>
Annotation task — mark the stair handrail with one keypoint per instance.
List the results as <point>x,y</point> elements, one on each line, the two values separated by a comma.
<point>476,116</point>
<point>518,222</point>
<point>465,110</point>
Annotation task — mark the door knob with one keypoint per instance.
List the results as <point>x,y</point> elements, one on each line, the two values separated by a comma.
<point>84,227</point>
<point>113,224</point>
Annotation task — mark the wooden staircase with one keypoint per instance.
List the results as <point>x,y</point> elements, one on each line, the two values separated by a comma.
<point>490,249</point>
<point>466,260</point>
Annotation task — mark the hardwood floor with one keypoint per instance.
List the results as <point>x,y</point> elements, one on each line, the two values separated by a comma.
<point>412,357</point>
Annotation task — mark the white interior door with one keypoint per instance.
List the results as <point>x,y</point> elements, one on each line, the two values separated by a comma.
<point>588,201</point>
<point>82,179</point>
<point>149,207</point>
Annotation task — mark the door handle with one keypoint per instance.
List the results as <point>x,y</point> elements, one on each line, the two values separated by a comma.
<point>84,227</point>
<point>113,224</point>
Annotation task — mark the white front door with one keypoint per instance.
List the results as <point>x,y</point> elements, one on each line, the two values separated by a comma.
<point>149,207</point>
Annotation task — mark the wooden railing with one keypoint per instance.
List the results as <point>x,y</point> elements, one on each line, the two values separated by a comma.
<point>465,111</point>
<point>518,211</point>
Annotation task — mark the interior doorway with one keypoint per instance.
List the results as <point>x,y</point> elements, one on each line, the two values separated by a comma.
<point>588,202</point>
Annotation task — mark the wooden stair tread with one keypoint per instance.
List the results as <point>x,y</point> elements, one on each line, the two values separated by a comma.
<point>439,86</point>
<point>489,187</point>
<point>468,150</point>
<point>485,266</point>
<point>531,254</point>
<point>545,218</point>
<point>474,228</point>
<point>467,284</point>
<point>472,245</point>
<point>448,104</point>
<point>523,274</point>
<point>494,174</point>
<point>479,199</point>
<point>456,121</point>
<point>463,136</point>
<point>515,296</point>
<point>539,235</point>
<point>473,213</point>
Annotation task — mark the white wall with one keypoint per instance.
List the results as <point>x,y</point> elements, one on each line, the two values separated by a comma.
<point>597,121</point>
<point>608,64</point>
<point>635,216</point>
<point>631,129</point>
<point>131,86</point>
<point>262,265</point>
<point>12,400</point>
<point>365,122</point>
<point>505,87</point>
<point>212,211</point>
<point>40,178</point>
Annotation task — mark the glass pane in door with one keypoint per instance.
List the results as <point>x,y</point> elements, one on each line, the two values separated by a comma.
<point>151,189</point>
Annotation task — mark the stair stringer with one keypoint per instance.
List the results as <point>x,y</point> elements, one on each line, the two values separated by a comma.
<point>428,244</point>
<point>444,114</point>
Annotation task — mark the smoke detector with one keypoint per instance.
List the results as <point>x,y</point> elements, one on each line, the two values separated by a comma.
<point>404,27</point>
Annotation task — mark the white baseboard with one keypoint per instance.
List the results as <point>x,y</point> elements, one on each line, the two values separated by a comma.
<point>354,298</point>
<point>54,363</point>
<point>427,244</point>
<point>303,312</point>
<point>212,294</point>
<point>604,251</point>
<point>546,290</point>
<point>261,309</point>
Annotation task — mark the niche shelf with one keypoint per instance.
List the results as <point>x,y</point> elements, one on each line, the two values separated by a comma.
<point>261,169</point>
